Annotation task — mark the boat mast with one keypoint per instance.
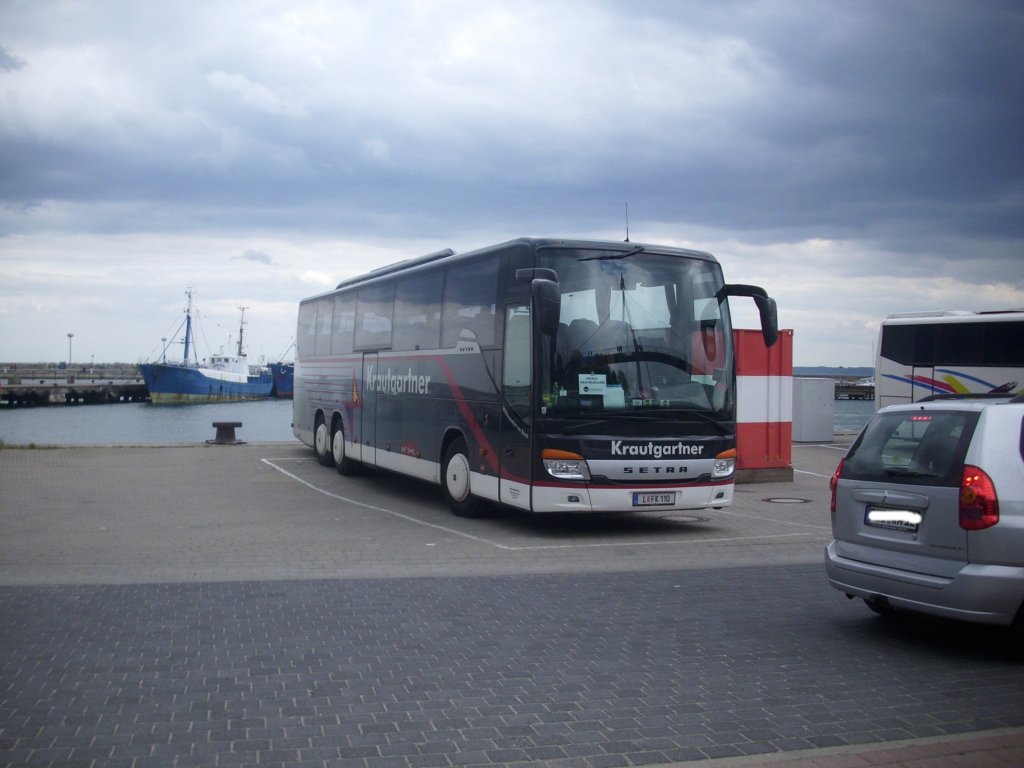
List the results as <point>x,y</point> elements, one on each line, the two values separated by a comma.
<point>188,323</point>
<point>241,328</point>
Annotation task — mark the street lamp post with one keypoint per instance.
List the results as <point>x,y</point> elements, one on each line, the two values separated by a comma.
<point>70,336</point>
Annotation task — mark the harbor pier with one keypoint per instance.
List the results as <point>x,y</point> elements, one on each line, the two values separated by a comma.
<point>26,386</point>
<point>847,391</point>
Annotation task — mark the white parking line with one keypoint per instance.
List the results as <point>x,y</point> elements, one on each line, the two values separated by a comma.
<point>347,500</point>
<point>506,547</point>
<point>813,474</point>
<point>774,520</point>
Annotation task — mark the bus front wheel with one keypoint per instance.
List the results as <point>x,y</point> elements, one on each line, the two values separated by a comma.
<point>322,442</point>
<point>455,481</point>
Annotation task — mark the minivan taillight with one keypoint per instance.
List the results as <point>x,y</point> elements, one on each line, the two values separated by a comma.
<point>979,506</point>
<point>833,484</point>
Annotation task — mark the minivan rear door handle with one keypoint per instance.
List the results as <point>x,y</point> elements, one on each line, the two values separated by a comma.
<point>886,498</point>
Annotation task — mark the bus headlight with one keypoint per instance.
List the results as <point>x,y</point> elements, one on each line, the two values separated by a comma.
<point>725,464</point>
<point>565,465</point>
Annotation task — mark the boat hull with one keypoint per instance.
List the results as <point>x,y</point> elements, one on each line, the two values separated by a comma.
<point>284,376</point>
<point>169,383</point>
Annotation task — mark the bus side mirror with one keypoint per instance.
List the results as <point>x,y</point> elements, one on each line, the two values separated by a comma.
<point>769,312</point>
<point>547,297</point>
<point>766,308</point>
<point>547,301</point>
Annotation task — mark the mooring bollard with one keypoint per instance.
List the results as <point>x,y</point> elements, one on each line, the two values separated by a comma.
<point>226,433</point>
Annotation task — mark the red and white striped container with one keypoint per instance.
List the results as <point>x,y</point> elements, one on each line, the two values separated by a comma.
<point>764,407</point>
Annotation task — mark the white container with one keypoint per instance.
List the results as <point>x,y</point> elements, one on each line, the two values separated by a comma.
<point>813,410</point>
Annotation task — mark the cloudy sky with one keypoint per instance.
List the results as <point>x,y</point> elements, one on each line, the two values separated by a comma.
<point>855,158</point>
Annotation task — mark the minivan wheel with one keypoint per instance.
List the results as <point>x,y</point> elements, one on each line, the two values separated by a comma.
<point>879,605</point>
<point>1017,628</point>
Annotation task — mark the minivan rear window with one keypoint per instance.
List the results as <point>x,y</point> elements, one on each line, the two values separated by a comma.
<point>920,447</point>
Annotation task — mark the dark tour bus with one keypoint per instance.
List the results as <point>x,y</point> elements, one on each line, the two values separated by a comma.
<point>548,375</point>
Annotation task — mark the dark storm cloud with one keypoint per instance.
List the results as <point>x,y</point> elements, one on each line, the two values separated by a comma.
<point>8,62</point>
<point>849,115</point>
<point>880,137</point>
<point>256,256</point>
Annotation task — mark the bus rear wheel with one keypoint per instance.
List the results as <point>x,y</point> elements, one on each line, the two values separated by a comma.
<point>322,442</point>
<point>455,485</point>
<point>342,462</point>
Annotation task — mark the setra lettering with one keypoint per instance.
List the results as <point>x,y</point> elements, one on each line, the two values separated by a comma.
<point>655,470</point>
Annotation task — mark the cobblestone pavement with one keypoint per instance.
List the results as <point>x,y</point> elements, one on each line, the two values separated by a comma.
<point>244,606</point>
<point>600,670</point>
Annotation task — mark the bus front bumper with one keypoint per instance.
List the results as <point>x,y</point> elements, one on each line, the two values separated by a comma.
<point>630,499</point>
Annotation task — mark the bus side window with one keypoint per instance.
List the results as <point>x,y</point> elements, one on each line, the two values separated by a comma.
<point>373,316</point>
<point>344,324</point>
<point>418,312</point>
<point>518,355</point>
<point>322,345</point>
<point>470,296</point>
<point>306,335</point>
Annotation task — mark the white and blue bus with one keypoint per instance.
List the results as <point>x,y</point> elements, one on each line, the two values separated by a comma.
<point>949,353</point>
<point>547,375</point>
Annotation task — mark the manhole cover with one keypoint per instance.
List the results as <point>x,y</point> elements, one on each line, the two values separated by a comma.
<point>786,500</point>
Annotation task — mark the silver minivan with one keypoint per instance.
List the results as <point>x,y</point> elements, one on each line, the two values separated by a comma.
<point>928,511</point>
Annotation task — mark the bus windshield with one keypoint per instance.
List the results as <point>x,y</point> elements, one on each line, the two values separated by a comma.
<point>640,334</point>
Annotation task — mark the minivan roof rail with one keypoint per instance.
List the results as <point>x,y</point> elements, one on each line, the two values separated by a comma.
<point>971,396</point>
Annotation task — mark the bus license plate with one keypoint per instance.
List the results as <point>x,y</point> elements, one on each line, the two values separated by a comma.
<point>653,499</point>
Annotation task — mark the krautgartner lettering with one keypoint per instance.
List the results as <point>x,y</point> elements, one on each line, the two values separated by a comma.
<point>652,450</point>
<point>391,383</point>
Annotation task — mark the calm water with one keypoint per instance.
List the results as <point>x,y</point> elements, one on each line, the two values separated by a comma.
<point>262,420</point>
<point>144,423</point>
<point>852,415</point>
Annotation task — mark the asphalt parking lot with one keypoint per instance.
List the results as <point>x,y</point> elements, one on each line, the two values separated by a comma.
<point>214,605</point>
<point>197,513</point>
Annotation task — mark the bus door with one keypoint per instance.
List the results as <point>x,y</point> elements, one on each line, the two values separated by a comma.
<point>367,415</point>
<point>517,395</point>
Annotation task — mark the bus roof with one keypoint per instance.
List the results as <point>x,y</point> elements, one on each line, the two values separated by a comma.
<point>954,315</point>
<point>531,242</point>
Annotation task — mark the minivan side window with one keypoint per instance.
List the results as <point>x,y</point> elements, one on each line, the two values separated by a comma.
<point>913,447</point>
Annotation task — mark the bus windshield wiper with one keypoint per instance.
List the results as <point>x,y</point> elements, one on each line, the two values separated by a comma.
<point>680,413</point>
<point>585,426</point>
<point>614,256</point>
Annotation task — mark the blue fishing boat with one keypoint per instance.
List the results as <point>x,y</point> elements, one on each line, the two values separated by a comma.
<point>220,378</point>
<point>284,378</point>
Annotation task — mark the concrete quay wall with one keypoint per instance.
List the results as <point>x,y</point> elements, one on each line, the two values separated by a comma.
<point>34,384</point>
<point>71,391</point>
